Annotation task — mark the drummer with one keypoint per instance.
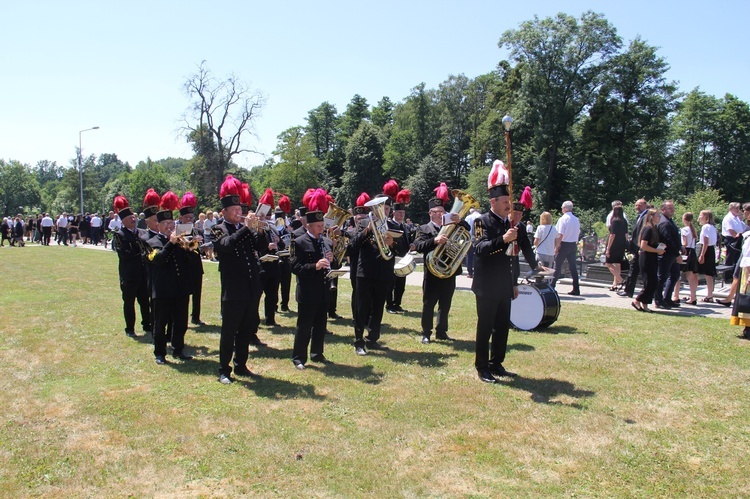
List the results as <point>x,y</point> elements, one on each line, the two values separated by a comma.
<point>436,290</point>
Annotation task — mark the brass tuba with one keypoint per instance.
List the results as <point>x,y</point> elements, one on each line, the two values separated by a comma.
<point>444,260</point>
<point>335,218</point>
<point>379,225</point>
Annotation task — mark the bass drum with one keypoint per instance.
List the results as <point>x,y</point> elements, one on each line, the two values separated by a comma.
<point>536,307</point>
<point>404,265</point>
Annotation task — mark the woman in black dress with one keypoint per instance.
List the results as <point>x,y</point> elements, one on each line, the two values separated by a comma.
<point>647,258</point>
<point>73,229</point>
<point>618,230</point>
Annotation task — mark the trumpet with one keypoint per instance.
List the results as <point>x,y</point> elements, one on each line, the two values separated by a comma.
<point>188,243</point>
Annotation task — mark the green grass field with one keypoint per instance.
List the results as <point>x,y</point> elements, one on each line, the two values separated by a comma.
<point>615,404</point>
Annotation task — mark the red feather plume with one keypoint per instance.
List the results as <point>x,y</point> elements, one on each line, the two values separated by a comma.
<point>246,196</point>
<point>188,200</point>
<point>403,196</point>
<point>230,187</point>
<point>120,203</point>
<point>169,201</point>
<point>498,175</point>
<point>390,189</point>
<point>526,199</point>
<point>319,201</point>
<point>442,192</point>
<point>362,199</point>
<point>306,197</point>
<point>285,204</point>
<point>151,198</point>
<point>267,198</point>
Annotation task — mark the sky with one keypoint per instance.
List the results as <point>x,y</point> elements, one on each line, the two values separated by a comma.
<point>69,66</point>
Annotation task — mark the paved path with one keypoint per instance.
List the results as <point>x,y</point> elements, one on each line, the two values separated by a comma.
<point>592,293</point>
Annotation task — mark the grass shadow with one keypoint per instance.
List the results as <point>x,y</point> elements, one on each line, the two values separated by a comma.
<point>544,390</point>
<point>365,374</point>
<point>422,359</point>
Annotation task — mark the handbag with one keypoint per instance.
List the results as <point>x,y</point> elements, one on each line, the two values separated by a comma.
<point>743,303</point>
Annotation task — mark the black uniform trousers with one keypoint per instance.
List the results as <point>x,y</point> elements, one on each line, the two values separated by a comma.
<point>493,323</point>
<point>438,292</point>
<point>46,235</point>
<point>195,315</point>
<point>132,291</point>
<point>396,293</point>
<point>270,280</point>
<point>633,273</point>
<point>370,296</point>
<point>333,295</point>
<point>285,281</point>
<point>239,318</point>
<point>174,310</point>
<point>311,323</point>
<point>734,250</point>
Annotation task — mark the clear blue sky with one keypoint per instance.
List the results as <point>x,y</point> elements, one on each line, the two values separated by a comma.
<point>67,66</point>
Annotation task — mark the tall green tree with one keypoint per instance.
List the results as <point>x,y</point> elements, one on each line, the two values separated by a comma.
<point>428,175</point>
<point>18,187</point>
<point>298,169</point>
<point>731,146</point>
<point>324,133</point>
<point>455,117</point>
<point>363,171</point>
<point>564,61</point>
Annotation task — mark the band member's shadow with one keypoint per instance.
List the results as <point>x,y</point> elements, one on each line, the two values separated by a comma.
<point>544,390</point>
<point>417,314</point>
<point>554,329</point>
<point>365,374</point>
<point>202,351</point>
<point>269,352</point>
<point>207,328</point>
<point>422,359</point>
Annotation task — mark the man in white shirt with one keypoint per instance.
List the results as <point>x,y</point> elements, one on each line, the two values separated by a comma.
<point>62,229</point>
<point>732,228</point>
<point>96,229</point>
<point>566,245</point>
<point>46,224</point>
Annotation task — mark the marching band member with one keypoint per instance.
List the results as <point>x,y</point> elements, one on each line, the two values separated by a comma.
<point>285,269</point>
<point>311,261</point>
<point>268,243</point>
<point>393,303</point>
<point>246,199</point>
<point>187,216</point>
<point>132,268</point>
<point>150,208</point>
<point>241,287</point>
<point>436,290</point>
<point>493,283</point>
<point>359,222</point>
<point>171,284</point>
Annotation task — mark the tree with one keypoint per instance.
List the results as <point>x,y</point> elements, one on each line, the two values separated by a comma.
<point>219,120</point>
<point>18,187</point>
<point>147,175</point>
<point>563,60</point>
<point>323,132</point>
<point>731,143</point>
<point>363,171</point>
<point>382,114</point>
<point>428,175</point>
<point>454,111</point>
<point>298,169</point>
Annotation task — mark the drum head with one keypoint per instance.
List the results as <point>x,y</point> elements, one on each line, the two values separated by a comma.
<point>527,311</point>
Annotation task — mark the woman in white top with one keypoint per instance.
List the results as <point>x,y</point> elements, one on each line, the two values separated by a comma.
<point>707,257</point>
<point>689,260</point>
<point>544,240</point>
<point>208,235</point>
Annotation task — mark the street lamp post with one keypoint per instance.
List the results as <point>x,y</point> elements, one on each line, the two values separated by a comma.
<point>80,162</point>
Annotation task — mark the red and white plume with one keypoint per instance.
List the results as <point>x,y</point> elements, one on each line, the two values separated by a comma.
<point>362,199</point>
<point>403,196</point>
<point>188,200</point>
<point>230,187</point>
<point>246,195</point>
<point>442,192</point>
<point>498,175</point>
<point>169,201</point>
<point>120,203</point>
<point>267,198</point>
<point>526,198</point>
<point>318,201</point>
<point>151,198</point>
<point>285,204</point>
<point>390,189</point>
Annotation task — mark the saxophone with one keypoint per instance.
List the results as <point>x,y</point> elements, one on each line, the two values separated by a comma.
<point>444,260</point>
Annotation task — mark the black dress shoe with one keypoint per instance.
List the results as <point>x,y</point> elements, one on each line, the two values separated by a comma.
<point>255,341</point>
<point>574,293</point>
<point>486,376</point>
<point>391,311</point>
<point>662,305</point>
<point>272,323</point>
<point>284,308</point>
<point>501,371</point>
<point>319,357</point>
<point>425,340</point>
<point>244,371</point>
<point>148,328</point>
<point>443,337</point>
<point>225,380</point>
<point>299,365</point>
<point>374,345</point>
<point>334,316</point>
<point>360,351</point>
<point>673,304</point>
<point>161,360</point>
<point>198,322</point>
<point>131,334</point>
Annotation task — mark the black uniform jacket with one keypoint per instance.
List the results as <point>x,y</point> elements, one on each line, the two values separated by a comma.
<point>132,253</point>
<point>238,262</point>
<point>524,244</point>
<point>369,262</point>
<point>493,272</point>
<point>170,269</point>
<point>311,284</point>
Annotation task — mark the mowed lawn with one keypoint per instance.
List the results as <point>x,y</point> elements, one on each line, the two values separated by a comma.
<point>608,402</point>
